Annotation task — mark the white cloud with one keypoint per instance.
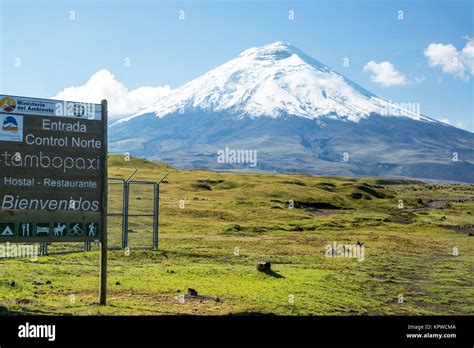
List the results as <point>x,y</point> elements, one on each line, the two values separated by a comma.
<point>419,78</point>
<point>459,63</point>
<point>445,120</point>
<point>458,124</point>
<point>385,74</point>
<point>121,101</point>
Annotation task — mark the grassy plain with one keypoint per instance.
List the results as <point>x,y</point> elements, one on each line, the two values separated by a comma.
<point>230,221</point>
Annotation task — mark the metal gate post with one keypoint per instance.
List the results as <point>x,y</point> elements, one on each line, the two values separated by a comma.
<point>125,215</point>
<point>156,210</point>
<point>43,249</point>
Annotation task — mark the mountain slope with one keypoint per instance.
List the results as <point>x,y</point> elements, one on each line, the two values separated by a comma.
<point>299,116</point>
<point>275,80</point>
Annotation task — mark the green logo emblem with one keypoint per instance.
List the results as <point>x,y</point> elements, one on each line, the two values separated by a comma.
<point>25,229</point>
<point>59,229</point>
<point>7,229</point>
<point>76,229</point>
<point>42,229</point>
<point>92,229</point>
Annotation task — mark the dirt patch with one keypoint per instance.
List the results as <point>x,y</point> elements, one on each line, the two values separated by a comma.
<point>237,228</point>
<point>431,205</point>
<point>20,301</point>
<point>201,298</point>
<point>438,204</point>
<point>387,182</point>
<point>468,229</point>
<point>310,206</point>
<point>401,218</point>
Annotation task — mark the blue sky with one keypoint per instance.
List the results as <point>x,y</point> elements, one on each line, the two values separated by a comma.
<point>56,51</point>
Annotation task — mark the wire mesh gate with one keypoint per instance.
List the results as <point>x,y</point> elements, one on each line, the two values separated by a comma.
<point>133,212</point>
<point>140,213</point>
<point>116,212</point>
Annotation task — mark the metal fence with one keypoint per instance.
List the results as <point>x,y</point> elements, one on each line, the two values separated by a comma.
<point>115,212</point>
<point>141,213</point>
<point>138,214</point>
<point>132,218</point>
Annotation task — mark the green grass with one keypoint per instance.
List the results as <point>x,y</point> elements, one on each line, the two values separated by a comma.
<point>225,211</point>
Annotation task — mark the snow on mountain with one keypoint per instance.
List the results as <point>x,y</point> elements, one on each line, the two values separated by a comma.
<point>274,80</point>
<point>300,116</point>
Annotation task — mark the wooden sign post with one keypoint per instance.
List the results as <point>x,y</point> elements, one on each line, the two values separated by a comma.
<point>103,239</point>
<point>53,173</point>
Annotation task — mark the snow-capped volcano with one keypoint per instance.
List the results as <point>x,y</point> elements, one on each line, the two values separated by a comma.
<point>274,80</point>
<point>299,116</point>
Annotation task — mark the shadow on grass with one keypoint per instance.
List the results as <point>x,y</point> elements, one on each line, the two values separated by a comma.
<point>274,274</point>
